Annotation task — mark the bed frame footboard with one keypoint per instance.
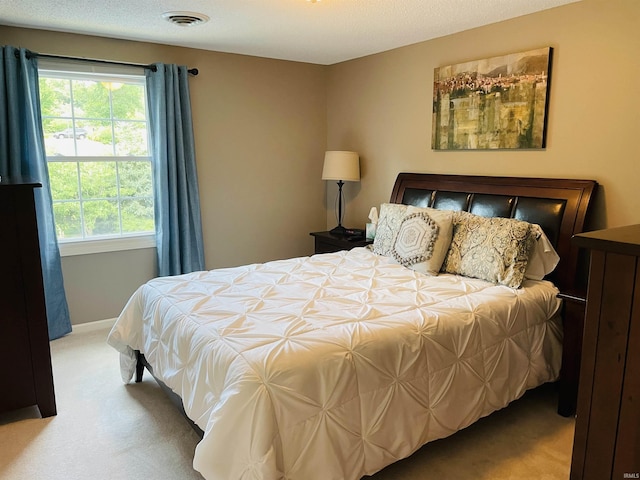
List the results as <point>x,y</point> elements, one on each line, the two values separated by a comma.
<point>141,364</point>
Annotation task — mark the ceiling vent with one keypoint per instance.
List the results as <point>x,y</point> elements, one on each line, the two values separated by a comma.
<point>185,19</point>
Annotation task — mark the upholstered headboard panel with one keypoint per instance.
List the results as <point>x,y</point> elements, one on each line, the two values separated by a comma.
<point>559,206</point>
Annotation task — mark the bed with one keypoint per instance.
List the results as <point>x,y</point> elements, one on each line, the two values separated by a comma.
<point>336,365</point>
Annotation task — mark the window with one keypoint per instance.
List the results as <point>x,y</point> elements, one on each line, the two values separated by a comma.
<point>96,140</point>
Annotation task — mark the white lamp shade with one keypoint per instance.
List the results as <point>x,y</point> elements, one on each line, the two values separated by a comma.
<point>341,165</point>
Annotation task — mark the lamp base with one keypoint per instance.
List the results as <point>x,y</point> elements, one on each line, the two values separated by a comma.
<point>339,230</point>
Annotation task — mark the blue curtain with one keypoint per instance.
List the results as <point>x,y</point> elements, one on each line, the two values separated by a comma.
<point>22,154</point>
<point>177,201</point>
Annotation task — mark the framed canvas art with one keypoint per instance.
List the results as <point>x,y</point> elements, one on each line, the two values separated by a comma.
<point>495,103</point>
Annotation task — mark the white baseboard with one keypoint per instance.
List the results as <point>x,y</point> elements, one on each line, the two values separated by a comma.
<point>97,325</point>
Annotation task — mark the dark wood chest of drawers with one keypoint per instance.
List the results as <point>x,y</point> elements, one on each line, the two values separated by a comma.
<point>607,438</point>
<point>25,361</point>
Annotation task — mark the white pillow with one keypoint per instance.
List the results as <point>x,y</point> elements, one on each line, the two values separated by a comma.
<point>391,215</point>
<point>423,239</point>
<point>543,258</point>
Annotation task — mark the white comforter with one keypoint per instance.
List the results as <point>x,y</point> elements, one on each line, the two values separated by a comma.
<point>336,365</point>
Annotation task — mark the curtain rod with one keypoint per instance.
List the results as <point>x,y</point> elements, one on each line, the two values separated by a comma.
<point>192,71</point>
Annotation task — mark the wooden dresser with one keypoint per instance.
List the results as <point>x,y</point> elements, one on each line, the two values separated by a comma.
<point>25,361</point>
<point>607,437</point>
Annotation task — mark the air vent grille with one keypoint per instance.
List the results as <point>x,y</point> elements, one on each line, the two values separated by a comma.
<point>185,19</point>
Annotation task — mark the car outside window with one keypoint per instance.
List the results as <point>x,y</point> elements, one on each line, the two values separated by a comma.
<point>79,133</point>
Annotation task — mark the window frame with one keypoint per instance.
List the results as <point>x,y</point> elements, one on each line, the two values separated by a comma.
<point>73,71</point>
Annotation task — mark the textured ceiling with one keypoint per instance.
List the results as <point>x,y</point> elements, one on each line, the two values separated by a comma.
<point>324,32</point>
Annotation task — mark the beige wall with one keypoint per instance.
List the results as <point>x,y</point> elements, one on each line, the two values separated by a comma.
<point>381,106</point>
<point>260,132</point>
<point>261,127</point>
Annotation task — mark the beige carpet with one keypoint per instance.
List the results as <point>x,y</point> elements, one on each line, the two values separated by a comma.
<point>106,430</point>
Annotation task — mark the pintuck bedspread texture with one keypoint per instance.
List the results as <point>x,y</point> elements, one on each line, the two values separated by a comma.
<point>334,366</point>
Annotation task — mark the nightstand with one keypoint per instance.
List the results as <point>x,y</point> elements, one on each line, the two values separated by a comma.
<point>327,243</point>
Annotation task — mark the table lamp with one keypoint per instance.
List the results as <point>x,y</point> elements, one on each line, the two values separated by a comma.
<point>342,166</point>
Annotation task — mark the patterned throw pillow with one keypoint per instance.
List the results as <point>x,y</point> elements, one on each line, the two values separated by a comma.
<point>391,215</point>
<point>423,239</point>
<point>493,249</point>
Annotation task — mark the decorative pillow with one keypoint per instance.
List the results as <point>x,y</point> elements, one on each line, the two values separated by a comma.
<point>423,239</point>
<point>391,215</point>
<point>543,258</point>
<point>493,249</point>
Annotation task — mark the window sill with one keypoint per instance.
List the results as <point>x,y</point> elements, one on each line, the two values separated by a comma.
<point>86,247</point>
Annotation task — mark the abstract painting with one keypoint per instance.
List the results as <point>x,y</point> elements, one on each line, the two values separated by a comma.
<point>495,103</point>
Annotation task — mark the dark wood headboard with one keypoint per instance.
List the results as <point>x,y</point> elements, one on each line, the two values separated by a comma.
<point>559,206</point>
